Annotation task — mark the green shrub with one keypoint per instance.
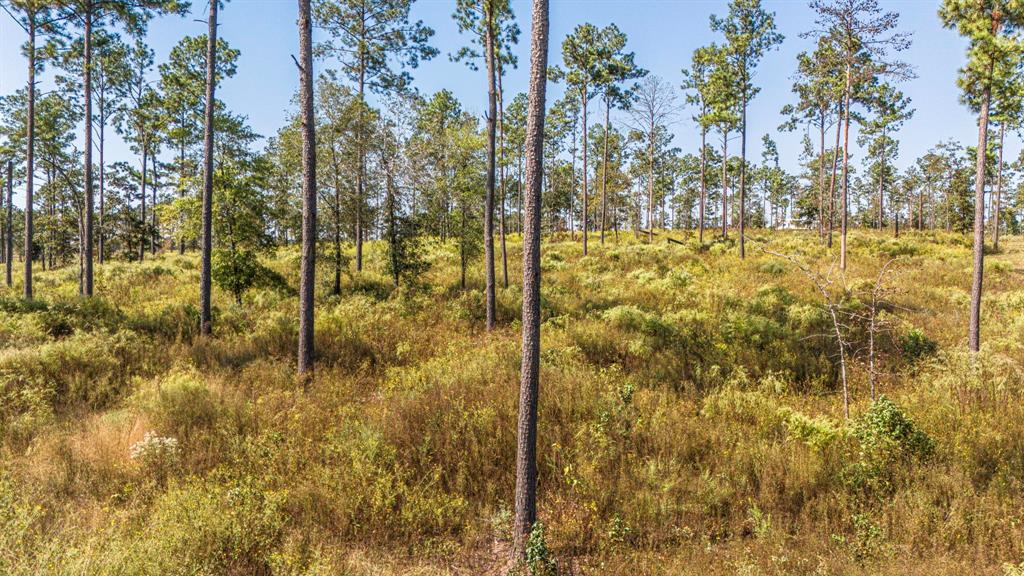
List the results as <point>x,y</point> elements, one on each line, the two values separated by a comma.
<point>917,346</point>
<point>888,441</point>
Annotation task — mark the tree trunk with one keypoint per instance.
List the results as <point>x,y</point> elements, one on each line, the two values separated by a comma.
<point>307,274</point>
<point>725,185</point>
<point>526,446</point>
<point>846,174</point>
<point>504,189</point>
<point>8,229</point>
<point>821,175</point>
<point>650,186</point>
<point>462,244</point>
<point>604,168</point>
<point>142,239</point>
<point>87,284</point>
<point>703,180</point>
<point>572,188</point>
<point>153,235</point>
<point>100,231</point>
<point>743,177</point>
<point>974,328</point>
<point>492,114</point>
<point>920,210</point>
<point>391,207</point>
<point>336,213</point>
<point>999,190</point>
<point>361,170</point>
<point>881,185</point>
<point>585,219</point>
<point>832,182</point>
<point>205,320</point>
<point>30,122</point>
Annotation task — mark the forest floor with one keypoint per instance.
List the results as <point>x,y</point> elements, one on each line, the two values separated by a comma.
<point>691,418</point>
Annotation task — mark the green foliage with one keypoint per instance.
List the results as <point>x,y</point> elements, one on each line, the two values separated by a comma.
<point>239,271</point>
<point>888,440</point>
<point>538,556</point>
<point>916,346</point>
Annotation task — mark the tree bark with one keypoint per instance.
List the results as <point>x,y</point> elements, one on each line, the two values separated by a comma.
<point>604,168</point>
<point>650,185</point>
<point>152,210</point>
<point>997,201</point>
<point>492,114</point>
<point>725,185</point>
<point>30,122</point>
<point>205,320</point>
<point>821,174</point>
<point>8,228</point>
<point>142,239</point>
<point>504,189</point>
<point>87,284</point>
<point>974,328</point>
<point>526,446</point>
<point>336,213</point>
<point>585,219</point>
<point>881,185</point>
<point>832,182</point>
<point>307,274</point>
<point>743,177</point>
<point>100,240</point>
<point>703,180</point>
<point>361,171</point>
<point>846,174</point>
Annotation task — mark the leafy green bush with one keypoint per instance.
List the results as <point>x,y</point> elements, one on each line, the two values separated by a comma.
<point>236,271</point>
<point>916,345</point>
<point>888,441</point>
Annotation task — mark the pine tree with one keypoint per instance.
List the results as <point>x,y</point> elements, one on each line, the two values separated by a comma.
<point>373,41</point>
<point>526,449</point>
<point>994,55</point>
<point>749,33</point>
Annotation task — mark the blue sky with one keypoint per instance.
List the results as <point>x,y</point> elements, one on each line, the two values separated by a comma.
<point>663,33</point>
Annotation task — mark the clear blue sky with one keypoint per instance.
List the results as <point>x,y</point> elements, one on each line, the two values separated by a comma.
<point>663,33</point>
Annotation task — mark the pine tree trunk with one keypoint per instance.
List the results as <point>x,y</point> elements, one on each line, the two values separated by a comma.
<point>361,171</point>
<point>153,234</point>
<point>492,114</point>
<point>87,285</point>
<point>586,200</point>
<point>307,273</point>
<point>846,174</point>
<point>504,189</point>
<point>725,185</point>
<point>703,180</point>
<point>336,214</point>
<point>100,240</point>
<point>572,189</point>
<point>30,122</point>
<point>604,168</point>
<point>881,186</point>
<point>8,229</point>
<point>142,239</point>
<point>821,175</point>
<point>974,328</point>
<point>526,446</point>
<point>743,178</point>
<point>205,320</point>
<point>832,182</point>
<point>997,201</point>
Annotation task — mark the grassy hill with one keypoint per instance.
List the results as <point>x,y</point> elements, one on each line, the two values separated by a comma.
<point>691,418</point>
